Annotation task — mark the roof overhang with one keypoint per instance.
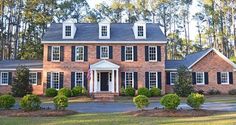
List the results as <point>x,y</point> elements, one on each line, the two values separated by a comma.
<point>14,69</point>
<point>104,41</point>
<point>104,65</point>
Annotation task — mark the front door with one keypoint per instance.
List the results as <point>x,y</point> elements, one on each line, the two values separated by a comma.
<point>104,81</point>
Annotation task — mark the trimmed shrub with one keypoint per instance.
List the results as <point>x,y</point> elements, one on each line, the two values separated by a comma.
<point>7,101</point>
<point>170,101</point>
<point>195,100</point>
<point>30,102</point>
<point>84,91</point>
<point>129,91</point>
<point>144,91</point>
<point>76,91</point>
<point>51,92</point>
<point>60,102</point>
<point>141,101</point>
<point>65,91</point>
<point>214,92</point>
<point>122,91</point>
<point>155,92</point>
<point>232,92</point>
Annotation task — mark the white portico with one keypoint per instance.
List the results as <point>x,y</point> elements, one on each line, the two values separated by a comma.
<point>104,77</point>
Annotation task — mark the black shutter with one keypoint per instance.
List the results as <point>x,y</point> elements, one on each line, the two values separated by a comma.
<point>168,78</point>
<point>230,77</point>
<point>159,80</point>
<point>135,53</point>
<point>85,81</point>
<point>206,78</point>
<point>9,78</point>
<point>72,80</point>
<point>85,53</point>
<point>135,80</point>
<point>73,53</point>
<point>98,52</point>
<point>49,53</point>
<point>218,77</point>
<point>48,79</point>
<point>110,52</point>
<point>158,53</point>
<point>62,53</point>
<point>122,53</point>
<point>61,79</point>
<point>123,79</point>
<point>146,53</point>
<point>39,78</point>
<point>147,80</point>
<point>193,78</point>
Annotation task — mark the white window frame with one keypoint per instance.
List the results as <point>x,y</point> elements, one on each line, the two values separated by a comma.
<point>172,82</point>
<point>138,30</point>
<point>58,80</point>
<point>150,79</point>
<point>104,31</point>
<point>107,52</point>
<point>132,79</point>
<point>76,84</point>
<point>1,83</point>
<point>53,53</point>
<point>149,57</point>
<point>35,78</point>
<point>67,32</point>
<point>203,78</point>
<point>129,53</point>
<point>227,78</point>
<point>76,53</point>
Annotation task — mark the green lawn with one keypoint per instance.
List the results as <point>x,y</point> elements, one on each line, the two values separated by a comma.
<point>119,119</point>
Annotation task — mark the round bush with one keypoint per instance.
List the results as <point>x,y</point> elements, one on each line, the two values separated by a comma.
<point>170,101</point>
<point>7,101</point>
<point>195,100</point>
<point>30,102</point>
<point>60,102</point>
<point>51,92</point>
<point>65,91</point>
<point>144,91</point>
<point>232,92</point>
<point>155,92</point>
<point>76,91</point>
<point>129,91</point>
<point>141,101</point>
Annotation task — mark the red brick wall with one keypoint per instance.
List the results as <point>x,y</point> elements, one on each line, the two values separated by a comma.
<point>140,66</point>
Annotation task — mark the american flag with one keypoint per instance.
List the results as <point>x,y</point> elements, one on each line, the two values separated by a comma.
<point>89,73</point>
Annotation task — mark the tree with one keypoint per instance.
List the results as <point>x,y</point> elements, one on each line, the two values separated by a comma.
<point>20,85</point>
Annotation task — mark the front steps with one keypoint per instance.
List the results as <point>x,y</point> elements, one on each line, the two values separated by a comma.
<point>104,96</point>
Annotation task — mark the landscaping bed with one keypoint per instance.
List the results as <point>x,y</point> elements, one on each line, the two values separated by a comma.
<point>37,113</point>
<point>172,113</point>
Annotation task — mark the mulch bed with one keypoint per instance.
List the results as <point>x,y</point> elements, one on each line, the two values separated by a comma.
<point>172,113</point>
<point>38,113</point>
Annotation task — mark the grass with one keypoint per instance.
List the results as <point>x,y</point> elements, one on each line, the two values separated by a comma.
<point>119,119</point>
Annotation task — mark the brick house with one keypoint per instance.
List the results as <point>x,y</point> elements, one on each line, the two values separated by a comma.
<point>105,57</point>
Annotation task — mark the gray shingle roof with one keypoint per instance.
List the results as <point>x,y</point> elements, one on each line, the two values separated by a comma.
<point>90,32</point>
<point>13,64</point>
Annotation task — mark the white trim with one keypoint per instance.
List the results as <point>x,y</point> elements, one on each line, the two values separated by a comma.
<point>226,83</point>
<point>58,80</point>
<point>132,54</point>
<point>76,54</point>
<point>149,54</point>
<point>156,79</point>
<point>170,69</point>
<point>132,79</point>
<point>7,79</point>
<point>171,83</point>
<point>75,84</point>
<point>203,77</point>
<point>105,41</point>
<point>52,60</point>
<point>36,78</point>
<point>107,52</point>
<point>12,69</point>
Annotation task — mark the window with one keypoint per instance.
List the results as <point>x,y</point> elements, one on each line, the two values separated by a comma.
<point>104,52</point>
<point>104,31</point>
<point>33,78</point>
<point>68,31</point>
<point>129,53</point>
<point>79,53</point>
<point>173,78</point>
<point>129,79</point>
<point>79,79</point>
<point>152,53</point>
<point>140,30</point>
<point>200,78</point>
<point>55,80</point>
<point>98,77</point>
<point>224,78</point>
<point>56,53</point>
<point>110,77</point>
<point>4,78</point>
<point>153,80</point>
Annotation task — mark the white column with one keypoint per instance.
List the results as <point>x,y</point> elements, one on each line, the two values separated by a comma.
<point>117,81</point>
<point>113,81</point>
<point>91,82</point>
<point>95,80</point>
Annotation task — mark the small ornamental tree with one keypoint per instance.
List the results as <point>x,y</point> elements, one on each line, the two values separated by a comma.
<point>183,86</point>
<point>20,85</point>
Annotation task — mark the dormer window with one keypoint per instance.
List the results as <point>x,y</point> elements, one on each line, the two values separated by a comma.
<point>140,31</point>
<point>68,30</point>
<point>104,31</point>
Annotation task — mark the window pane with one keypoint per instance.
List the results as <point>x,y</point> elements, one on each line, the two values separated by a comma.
<point>128,53</point>
<point>79,79</point>
<point>68,31</point>
<point>153,79</point>
<point>104,52</point>
<point>55,80</point>
<point>104,30</point>
<point>200,77</point>
<point>224,77</point>
<point>152,53</point>
<point>32,78</point>
<point>55,53</point>
<point>4,78</point>
<point>140,30</point>
<point>129,79</point>
<point>79,54</point>
<point>173,78</point>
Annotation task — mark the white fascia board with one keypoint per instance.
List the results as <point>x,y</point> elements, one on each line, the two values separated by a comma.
<point>12,69</point>
<point>171,69</point>
<point>103,42</point>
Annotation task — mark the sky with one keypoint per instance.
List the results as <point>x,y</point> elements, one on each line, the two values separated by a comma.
<point>193,9</point>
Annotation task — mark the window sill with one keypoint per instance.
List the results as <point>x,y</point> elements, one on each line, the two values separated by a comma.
<point>79,61</point>
<point>129,61</point>
<point>224,83</point>
<point>55,61</point>
<point>200,84</point>
<point>3,84</point>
